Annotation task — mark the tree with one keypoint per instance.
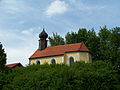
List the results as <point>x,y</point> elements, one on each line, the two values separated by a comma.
<point>105,47</point>
<point>56,40</point>
<point>71,38</point>
<point>115,45</point>
<point>92,43</point>
<point>2,57</point>
<point>82,35</point>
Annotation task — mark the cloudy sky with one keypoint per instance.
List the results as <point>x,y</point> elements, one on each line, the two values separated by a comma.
<point>22,20</point>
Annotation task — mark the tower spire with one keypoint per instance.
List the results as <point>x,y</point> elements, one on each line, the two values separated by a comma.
<point>43,42</point>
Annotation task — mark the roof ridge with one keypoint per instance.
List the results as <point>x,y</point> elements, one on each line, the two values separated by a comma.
<point>64,45</point>
<point>81,45</point>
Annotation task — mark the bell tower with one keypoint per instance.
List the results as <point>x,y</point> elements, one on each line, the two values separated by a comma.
<point>42,41</point>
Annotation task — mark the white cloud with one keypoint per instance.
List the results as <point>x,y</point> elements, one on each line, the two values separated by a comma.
<point>60,7</point>
<point>28,32</point>
<point>56,7</point>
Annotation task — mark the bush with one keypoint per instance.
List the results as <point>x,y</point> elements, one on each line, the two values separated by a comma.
<point>90,76</point>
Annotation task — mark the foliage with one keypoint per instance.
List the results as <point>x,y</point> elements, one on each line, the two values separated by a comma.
<point>56,40</point>
<point>79,76</point>
<point>82,35</point>
<point>93,44</point>
<point>71,38</point>
<point>105,46</point>
<point>115,45</point>
<point>2,57</point>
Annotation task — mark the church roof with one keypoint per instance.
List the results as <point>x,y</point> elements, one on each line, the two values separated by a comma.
<point>59,50</point>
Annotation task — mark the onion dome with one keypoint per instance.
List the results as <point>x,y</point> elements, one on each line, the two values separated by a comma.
<point>43,34</point>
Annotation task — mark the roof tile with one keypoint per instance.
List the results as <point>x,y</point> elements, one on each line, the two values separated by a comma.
<point>59,50</point>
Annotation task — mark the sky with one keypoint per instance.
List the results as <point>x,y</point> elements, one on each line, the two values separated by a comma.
<point>21,21</point>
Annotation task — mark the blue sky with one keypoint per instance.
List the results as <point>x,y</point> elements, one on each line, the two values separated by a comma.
<point>22,20</point>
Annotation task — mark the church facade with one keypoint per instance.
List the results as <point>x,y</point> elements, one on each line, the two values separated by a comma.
<point>61,54</point>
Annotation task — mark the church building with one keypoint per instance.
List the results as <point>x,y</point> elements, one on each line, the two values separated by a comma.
<point>61,54</point>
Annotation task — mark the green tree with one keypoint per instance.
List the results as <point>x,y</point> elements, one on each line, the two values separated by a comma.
<point>56,40</point>
<point>2,57</point>
<point>71,38</point>
<point>105,47</point>
<point>92,42</point>
<point>115,45</point>
<point>82,35</point>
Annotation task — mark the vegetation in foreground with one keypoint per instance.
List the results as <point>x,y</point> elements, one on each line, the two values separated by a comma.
<point>98,75</point>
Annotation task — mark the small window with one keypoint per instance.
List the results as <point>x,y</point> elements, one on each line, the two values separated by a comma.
<point>71,60</point>
<point>53,61</point>
<point>37,62</point>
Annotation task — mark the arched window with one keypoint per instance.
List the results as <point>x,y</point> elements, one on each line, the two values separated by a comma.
<point>37,62</point>
<point>71,60</point>
<point>53,61</point>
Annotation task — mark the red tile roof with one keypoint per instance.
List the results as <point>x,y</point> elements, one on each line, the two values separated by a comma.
<point>13,65</point>
<point>59,50</point>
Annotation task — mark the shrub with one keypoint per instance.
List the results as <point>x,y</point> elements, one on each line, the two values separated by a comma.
<point>81,76</point>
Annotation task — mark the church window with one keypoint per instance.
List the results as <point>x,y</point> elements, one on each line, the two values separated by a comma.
<point>53,61</point>
<point>37,62</point>
<point>71,60</point>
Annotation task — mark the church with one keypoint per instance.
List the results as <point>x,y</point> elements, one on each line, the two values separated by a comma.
<point>61,54</point>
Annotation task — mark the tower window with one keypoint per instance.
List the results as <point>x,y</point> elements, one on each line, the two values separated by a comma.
<point>37,62</point>
<point>53,61</point>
